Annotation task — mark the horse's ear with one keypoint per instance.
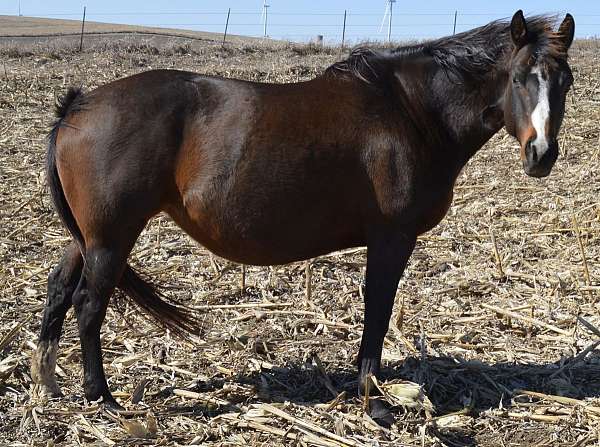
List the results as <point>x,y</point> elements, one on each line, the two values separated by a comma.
<point>567,30</point>
<point>518,29</point>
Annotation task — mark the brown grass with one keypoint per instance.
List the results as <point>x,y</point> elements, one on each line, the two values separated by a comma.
<point>486,316</point>
<point>29,27</point>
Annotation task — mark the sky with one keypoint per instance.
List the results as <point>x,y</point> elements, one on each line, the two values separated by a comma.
<point>303,20</point>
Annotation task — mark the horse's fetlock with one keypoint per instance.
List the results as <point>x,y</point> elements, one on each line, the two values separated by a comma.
<point>43,365</point>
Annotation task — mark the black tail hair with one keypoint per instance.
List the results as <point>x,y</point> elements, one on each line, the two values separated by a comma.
<point>176,318</point>
<point>63,106</point>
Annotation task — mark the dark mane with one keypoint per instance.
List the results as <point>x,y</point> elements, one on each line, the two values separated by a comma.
<point>469,54</point>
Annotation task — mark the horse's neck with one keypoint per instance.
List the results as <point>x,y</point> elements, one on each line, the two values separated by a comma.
<point>472,111</point>
<point>455,115</point>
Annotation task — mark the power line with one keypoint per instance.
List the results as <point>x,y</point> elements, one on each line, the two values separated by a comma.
<point>234,12</point>
<point>442,20</point>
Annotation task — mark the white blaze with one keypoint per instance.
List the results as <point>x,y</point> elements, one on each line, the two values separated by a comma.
<point>540,114</point>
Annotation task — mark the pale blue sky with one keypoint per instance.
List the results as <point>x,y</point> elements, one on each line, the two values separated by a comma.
<point>302,19</point>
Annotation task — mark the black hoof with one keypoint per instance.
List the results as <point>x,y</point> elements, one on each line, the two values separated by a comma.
<point>52,392</point>
<point>58,395</point>
<point>112,405</point>
<point>380,412</point>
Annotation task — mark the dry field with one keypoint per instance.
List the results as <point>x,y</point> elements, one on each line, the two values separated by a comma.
<point>275,368</point>
<point>22,29</point>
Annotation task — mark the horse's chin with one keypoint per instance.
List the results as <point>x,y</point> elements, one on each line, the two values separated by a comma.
<point>537,171</point>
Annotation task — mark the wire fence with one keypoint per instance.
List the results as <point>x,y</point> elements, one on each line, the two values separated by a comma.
<point>330,27</point>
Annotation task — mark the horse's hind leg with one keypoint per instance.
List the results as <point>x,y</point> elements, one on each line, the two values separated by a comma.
<point>61,284</point>
<point>102,272</point>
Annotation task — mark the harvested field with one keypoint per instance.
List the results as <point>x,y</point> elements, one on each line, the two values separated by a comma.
<point>497,316</point>
<point>22,30</point>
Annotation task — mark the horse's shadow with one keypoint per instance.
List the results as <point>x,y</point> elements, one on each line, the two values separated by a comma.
<point>450,383</point>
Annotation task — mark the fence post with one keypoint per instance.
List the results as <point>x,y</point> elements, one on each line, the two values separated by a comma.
<point>454,29</point>
<point>82,29</point>
<point>307,280</point>
<point>344,30</point>
<point>243,279</point>
<point>226,25</point>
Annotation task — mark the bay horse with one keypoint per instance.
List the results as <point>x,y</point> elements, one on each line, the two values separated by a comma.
<point>366,153</point>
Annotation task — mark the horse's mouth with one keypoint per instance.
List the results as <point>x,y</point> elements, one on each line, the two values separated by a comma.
<point>540,167</point>
<point>536,171</point>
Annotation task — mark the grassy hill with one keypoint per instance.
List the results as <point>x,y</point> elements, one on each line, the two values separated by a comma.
<point>26,29</point>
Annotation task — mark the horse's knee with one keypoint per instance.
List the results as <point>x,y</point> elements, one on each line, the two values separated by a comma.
<point>89,309</point>
<point>58,296</point>
<point>103,269</point>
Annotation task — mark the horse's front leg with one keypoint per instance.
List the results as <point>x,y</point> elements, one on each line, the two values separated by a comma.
<point>387,255</point>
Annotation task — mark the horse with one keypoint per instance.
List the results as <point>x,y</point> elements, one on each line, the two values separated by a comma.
<point>366,153</point>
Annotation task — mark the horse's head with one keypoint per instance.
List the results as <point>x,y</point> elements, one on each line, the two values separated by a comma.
<point>539,79</point>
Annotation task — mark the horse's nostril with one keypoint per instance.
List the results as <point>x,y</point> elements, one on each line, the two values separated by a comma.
<point>540,165</point>
<point>531,152</point>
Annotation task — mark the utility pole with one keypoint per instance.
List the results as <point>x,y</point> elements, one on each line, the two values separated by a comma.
<point>19,8</point>
<point>388,15</point>
<point>390,21</point>
<point>226,25</point>
<point>454,30</point>
<point>265,16</point>
<point>344,30</point>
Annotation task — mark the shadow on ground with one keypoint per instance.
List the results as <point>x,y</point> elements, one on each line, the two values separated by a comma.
<point>450,383</point>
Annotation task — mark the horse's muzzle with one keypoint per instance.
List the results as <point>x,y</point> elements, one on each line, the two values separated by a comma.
<point>539,162</point>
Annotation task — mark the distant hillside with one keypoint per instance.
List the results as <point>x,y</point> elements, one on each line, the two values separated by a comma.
<point>34,27</point>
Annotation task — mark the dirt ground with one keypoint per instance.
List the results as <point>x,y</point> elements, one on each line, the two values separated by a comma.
<point>276,368</point>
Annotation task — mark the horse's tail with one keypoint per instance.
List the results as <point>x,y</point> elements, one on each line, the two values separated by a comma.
<point>63,105</point>
<point>176,318</point>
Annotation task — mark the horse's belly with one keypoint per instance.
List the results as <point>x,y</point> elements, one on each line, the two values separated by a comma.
<point>284,246</point>
<point>266,233</point>
<point>265,204</point>
<point>260,253</point>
